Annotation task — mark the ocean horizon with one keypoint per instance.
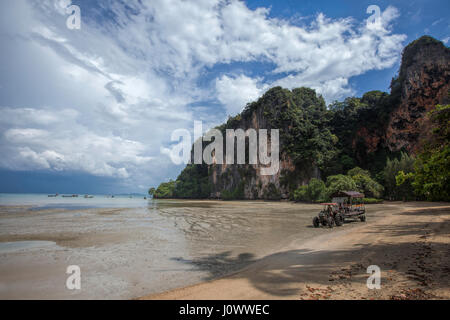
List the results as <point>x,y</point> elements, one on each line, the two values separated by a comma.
<point>43,201</point>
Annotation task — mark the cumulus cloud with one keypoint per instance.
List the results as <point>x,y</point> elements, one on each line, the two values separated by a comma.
<point>66,145</point>
<point>105,99</point>
<point>206,33</point>
<point>235,92</point>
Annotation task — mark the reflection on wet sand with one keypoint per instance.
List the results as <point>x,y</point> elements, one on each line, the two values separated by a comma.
<point>137,251</point>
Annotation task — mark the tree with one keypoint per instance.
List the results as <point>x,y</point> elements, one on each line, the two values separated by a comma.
<point>431,180</point>
<point>432,167</point>
<point>193,182</point>
<point>151,191</point>
<point>347,162</point>
<point>365,183</point>
<point>357,171</point>
<point>403,178</point>
<point>301,194</point>
<point>393,191</point>
<point>340,182</point>
<point>165,190</point>
<point>314,191</point>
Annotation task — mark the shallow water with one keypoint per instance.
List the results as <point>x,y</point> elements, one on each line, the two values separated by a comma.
<point>43,201</point>
<point>150,247</point>
<point>8,247</point>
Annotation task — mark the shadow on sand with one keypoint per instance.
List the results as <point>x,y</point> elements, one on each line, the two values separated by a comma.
<point>281,274</point>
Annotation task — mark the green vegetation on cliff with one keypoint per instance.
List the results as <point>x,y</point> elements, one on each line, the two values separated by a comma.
<point>164,191</point>
<point>358,124</point>
<point>193,183</point>
<point>431,175</point>
<point>303,120</point>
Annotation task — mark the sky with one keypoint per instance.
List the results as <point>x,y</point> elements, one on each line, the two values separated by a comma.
<point>92,110</point>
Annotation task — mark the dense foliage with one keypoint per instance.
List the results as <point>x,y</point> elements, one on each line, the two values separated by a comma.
<point>303,120</point>
<point>365,183</point>
<point>165,190</point>
<point>314,191</point>
<point>395,168</point>
<point>369,115</point>
<point>193,183</point>
<point>340,182</point>
<point>356,179</point>
<point>431,179</point>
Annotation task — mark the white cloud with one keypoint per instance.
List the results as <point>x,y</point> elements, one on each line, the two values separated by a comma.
<point>105,99</point>
<point>67,146</point>
<point>235,92</point>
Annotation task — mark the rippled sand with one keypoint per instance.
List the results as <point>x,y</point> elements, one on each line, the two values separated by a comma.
<point>129,252</point>
<point>408,246</point>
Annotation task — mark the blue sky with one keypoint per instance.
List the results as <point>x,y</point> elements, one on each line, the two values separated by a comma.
<point>92,110</point>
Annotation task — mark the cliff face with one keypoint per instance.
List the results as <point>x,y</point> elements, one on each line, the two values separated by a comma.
<point>424,81</point>
<point>246,181</point>
<point>388,124</point>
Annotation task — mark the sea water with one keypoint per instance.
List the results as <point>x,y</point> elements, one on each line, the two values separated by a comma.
<point>43,201</point>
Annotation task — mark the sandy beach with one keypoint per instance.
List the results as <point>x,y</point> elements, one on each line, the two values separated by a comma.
<point>128,252</point>
<point>222,250</point>
<point>410,245</point>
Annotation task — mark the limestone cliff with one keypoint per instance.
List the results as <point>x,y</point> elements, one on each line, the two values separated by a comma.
<point>298,114</point>
<point>384,124</point>
<point>424,82</point>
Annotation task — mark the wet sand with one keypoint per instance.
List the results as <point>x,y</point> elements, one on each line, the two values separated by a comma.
<point>126,253</point>
<point>409,244</point>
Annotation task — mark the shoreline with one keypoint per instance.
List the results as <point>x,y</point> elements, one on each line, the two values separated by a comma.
<point>408,245</point>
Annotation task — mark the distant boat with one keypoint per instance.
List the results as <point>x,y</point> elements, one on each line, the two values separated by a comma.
<point>70,196</point>
<point>88,196</point>
<point>52,195</point>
